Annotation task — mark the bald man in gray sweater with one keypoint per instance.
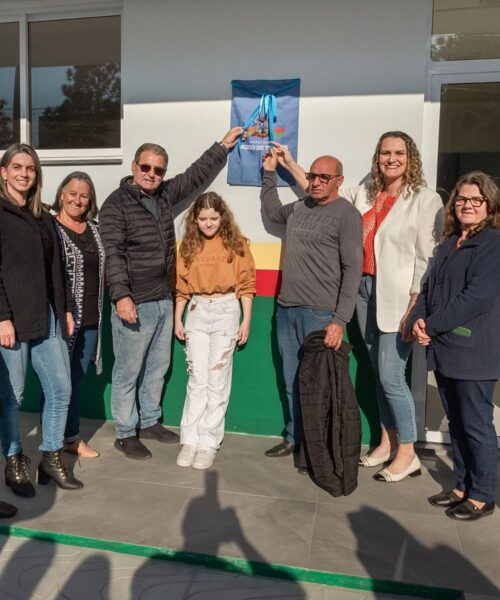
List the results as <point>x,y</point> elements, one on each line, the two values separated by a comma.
<point>321,271</point>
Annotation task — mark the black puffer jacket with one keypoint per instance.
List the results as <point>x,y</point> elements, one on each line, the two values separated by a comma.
<point>140,253</point>
<point>23,286</point>
<point>330,415</point>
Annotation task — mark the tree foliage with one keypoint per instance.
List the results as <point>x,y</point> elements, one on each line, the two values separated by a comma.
<point>89,116</point>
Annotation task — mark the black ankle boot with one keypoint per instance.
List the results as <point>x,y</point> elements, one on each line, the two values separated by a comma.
<point>52,468</point>
<point>17,475</point>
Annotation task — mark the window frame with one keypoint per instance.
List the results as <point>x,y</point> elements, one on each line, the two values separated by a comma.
<point>111,8</point>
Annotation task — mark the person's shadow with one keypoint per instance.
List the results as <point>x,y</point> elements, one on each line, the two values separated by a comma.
<point>390,554</point>
<point>206,525</point>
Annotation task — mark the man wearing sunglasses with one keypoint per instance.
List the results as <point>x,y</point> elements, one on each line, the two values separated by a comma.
<point>321,271</point>
<point>137,230</point>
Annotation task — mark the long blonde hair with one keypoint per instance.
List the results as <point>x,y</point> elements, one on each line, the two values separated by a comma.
<point>413,178</point>
<point>230,233</point>
<point>34,200</point>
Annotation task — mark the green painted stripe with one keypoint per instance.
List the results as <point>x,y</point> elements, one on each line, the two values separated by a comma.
<point>239,565</point>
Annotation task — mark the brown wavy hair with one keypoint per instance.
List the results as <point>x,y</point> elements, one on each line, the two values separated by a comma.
<point>193,240</point>
<point>413,178</point>
<point>34,200</point>
<point>489,190</point>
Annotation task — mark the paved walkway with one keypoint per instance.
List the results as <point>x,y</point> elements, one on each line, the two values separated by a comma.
<point>248,507</point>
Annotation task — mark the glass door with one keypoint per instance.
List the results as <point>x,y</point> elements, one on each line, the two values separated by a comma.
<point>464,111</point>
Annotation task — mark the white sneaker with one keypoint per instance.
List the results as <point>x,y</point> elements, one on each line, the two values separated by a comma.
<point>204,458</point>
<point>186,456</point>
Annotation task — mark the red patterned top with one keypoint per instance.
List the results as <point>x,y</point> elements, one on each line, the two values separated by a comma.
<point>371,222</point>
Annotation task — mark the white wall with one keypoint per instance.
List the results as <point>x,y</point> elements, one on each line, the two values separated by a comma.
<point>362,65</point>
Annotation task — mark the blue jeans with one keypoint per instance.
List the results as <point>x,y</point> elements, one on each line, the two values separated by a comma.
<point>388,356</point>
<point>81,354</point>
<point>142,357</point>
<point>50,360</point>
<point>469,408</point>
<point>293,324</point>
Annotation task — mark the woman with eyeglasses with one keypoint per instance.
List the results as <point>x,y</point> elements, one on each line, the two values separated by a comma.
<point>35,318</point>
<point>75,206</point>
<point>457,318</point>
<point>401,227</point>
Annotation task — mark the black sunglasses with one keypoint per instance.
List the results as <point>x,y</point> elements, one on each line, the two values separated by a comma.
<point>323,177</point>
<point>145,168</point>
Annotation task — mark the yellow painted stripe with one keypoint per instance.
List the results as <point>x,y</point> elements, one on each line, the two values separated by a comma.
<point>267,255</point>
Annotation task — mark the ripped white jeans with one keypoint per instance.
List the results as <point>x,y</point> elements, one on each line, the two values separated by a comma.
<point>211,332</point>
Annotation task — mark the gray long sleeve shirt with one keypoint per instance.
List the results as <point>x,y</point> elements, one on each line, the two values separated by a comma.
<point>324,251</point>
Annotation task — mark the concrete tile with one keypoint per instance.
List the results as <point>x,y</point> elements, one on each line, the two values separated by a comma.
<point>409,495</point>
<point>257,528</point>
<point>468,596</point>
<point>480,544</point>
<point>112,509</point>
<point>390,545</point>
<point>29,568</point>
<point>243,468</point>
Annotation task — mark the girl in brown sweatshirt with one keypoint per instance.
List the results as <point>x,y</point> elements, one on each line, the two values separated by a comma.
<point>215,273</point>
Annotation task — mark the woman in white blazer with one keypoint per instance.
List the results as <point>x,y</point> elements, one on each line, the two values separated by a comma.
<point>401,227</point>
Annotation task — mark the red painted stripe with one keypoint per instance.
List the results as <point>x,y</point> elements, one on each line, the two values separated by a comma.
<point>268,282</point>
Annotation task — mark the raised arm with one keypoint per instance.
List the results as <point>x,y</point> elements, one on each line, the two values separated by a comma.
<point>209,163</point>
<point>274,210</point>
<point>286,160</point>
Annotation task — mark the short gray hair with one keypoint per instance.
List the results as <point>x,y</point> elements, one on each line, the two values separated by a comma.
<point>149,147</point>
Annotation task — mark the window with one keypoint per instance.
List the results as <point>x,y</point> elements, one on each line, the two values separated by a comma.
<point>465,29</point>
<point>468,132</point>
<point>71,97</point>
<point>9,84</point>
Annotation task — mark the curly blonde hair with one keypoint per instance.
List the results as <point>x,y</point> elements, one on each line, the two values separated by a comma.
<point>193,240</point>
<point>490,192</point>
<point>413,178</point>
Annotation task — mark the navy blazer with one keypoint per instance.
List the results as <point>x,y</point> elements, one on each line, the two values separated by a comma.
<point>463,291</point>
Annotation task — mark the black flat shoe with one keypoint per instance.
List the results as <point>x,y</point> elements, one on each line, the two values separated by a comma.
<point>7,510</point>
<point>446,499</point>
<point>132,447</point>
<point>159,433</point>
<point>284,448</point>
<point>467,511</point>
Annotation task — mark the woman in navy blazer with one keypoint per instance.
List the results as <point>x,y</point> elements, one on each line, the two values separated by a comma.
<point>457,316</point>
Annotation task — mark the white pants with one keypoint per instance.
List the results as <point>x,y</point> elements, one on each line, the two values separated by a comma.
<point>211,332</point>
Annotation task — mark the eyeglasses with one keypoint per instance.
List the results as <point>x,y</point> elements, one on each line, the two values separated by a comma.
<point>475,201</point>
<point>145,168</point>
<point>323,177</point>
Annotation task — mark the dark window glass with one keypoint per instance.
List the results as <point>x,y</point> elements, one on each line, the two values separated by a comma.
<point>9,84</point>
<point>75,83</point>
<point>469,129</point>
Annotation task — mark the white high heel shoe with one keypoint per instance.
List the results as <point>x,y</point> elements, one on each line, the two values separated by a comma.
<point>375,461</point>
<point>412,471</point>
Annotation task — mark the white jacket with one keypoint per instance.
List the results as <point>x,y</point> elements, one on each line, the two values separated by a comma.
<point>404,245</point>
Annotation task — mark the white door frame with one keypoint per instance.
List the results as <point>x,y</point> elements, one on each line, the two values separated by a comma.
<point>469,71</point>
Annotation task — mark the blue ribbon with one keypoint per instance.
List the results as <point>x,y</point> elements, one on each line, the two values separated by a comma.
<point>266,110</point>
